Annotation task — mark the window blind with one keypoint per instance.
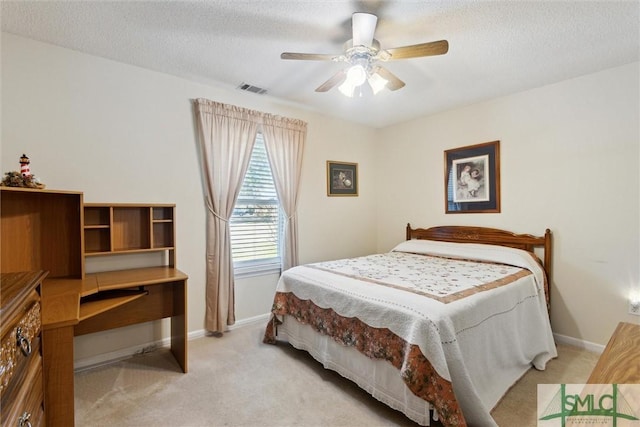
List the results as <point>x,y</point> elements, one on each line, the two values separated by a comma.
<point>256,220</point>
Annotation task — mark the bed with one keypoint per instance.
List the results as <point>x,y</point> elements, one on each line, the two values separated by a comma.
<point>438,328</point>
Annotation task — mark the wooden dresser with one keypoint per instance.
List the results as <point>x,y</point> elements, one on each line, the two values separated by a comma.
<point>620,361</point>
<point>21,368</point>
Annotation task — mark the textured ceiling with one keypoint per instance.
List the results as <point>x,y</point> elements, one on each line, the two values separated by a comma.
<point>495,47</point>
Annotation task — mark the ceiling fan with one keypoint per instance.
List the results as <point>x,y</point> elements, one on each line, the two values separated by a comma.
<point>362,53</point>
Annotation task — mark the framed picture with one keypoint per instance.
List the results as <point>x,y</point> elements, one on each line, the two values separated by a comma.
<point>342,179</point>
<point>472,179</point>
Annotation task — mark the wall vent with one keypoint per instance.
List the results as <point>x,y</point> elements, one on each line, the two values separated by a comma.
<point>250,88</point>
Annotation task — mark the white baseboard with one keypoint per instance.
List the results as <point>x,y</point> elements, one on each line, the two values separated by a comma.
<point>125,353</point>
<point>586,345</point>
<point>263,318</point>
<point>115,356</point>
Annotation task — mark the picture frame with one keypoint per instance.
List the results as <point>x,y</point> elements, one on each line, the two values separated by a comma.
<point>342,178</point>
<point>472,178</point>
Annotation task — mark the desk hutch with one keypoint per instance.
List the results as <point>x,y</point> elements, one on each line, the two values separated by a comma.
<point>52,233</point>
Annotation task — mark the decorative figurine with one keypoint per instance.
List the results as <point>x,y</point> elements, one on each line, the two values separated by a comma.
<point>22,178</point>
<point>24,165</point>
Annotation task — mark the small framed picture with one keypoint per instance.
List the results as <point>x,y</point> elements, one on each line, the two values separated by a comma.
<point>342,179</point>
<point>472,179</point>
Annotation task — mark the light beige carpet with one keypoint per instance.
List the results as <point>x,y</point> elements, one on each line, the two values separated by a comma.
<point>237,380</point>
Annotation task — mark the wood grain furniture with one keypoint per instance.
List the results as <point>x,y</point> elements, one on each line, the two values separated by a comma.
<point>99,302</point>
<point>488,236</point>
<point>41,230</point>
<point>21,378</point>
<point>620,361</point>
<point>55,231</point>
<point>128,228</point>
<point>449,308</point>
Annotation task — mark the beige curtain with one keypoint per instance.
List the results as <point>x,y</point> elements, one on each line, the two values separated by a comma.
<point>226,135</point>
<point>284,140</point>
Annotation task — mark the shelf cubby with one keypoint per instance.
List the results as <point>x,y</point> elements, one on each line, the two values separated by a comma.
<point>163,214</point>
<point>130,229</point>
<point>97,239</point>
<point>98,216</point>
<point>162,235</point>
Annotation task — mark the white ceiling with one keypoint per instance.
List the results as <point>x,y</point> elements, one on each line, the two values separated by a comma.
<point>495,47</point>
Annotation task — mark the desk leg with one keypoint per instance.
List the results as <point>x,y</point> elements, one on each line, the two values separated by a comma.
<point>57,355</point>
<point>179,324</point>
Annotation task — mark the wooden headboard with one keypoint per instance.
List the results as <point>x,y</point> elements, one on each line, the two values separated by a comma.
<point>491,236</point>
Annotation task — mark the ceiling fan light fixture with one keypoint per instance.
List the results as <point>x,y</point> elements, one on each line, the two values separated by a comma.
<point>362,52</point>
<point>377,83</point>
<point>347,89</point>
<point>356,75</point>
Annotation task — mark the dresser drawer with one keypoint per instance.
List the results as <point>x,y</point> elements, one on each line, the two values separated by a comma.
<point>21,363</point>
<point>17,343</point>
<point>24,407</point>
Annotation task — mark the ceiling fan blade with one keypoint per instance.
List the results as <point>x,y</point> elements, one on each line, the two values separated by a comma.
<point>393,82</point>
<point>423,49</point>
<point>335,80</point>
<point>308,56</point>
<point>364,25</point>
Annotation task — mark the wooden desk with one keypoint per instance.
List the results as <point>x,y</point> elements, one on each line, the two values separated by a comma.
<point>102,301</point>
<point>620,361</point>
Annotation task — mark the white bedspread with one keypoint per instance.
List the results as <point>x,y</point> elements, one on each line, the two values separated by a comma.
<point>482,342</point>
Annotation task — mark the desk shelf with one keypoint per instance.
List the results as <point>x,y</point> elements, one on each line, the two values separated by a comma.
<point>129,228</point>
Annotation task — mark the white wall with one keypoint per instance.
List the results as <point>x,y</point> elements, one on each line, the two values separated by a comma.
<point>122,134</point>
<point>569,162</point>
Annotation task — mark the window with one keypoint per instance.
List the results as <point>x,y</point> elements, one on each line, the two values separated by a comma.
<point>257,223</point>
<point>452,206</point>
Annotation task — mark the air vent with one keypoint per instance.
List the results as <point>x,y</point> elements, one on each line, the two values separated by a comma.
<point>250,88</point>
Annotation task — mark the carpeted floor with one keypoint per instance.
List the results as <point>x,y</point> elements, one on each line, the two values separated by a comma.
<point>238,381</point>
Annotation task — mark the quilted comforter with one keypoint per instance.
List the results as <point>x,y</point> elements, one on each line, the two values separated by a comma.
<point>461,323</point>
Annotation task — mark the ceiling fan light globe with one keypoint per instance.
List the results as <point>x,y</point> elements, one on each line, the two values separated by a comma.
<point>347,89</point>
<point>377,83</point>
<point>356,75</point>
